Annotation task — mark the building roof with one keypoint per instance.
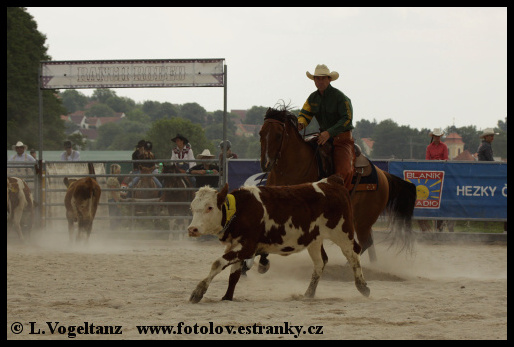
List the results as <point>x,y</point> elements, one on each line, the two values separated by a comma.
<point>453,138</point>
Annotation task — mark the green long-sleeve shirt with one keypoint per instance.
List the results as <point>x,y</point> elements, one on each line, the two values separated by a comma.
<point>333,111</point>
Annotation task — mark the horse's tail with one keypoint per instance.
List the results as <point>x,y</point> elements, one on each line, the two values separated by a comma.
<point>402,197</point>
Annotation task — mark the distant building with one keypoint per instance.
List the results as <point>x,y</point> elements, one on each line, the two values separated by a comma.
<point>465,155</point>
<point>241,116</point>
<point>88,126</point>
<point>247,130</point>
<point>455,146</point>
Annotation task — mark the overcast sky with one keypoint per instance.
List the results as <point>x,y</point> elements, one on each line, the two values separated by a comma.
<point>421,67</point>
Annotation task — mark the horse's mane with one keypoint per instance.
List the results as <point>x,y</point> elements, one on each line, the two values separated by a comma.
<point>282,114</point>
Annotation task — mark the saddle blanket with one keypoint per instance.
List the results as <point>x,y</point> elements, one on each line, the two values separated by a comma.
<point>367,183</point>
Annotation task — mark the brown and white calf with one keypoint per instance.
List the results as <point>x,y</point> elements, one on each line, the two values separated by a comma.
<point>81,202</point>
<point>280,220</point>
<point>19,198</point>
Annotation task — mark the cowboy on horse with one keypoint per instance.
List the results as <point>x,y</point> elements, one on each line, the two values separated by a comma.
<point>334,113</point>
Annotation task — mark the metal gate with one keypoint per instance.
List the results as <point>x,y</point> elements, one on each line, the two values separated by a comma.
<point>50,193</point>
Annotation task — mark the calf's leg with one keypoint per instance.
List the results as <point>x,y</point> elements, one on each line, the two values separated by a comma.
<point>347,247</point>
<point>315,252</point>
<point>201,288</point>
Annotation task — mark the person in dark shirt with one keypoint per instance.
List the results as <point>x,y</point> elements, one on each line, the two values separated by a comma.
<point>334,112</point>
<point>485,150</point>
<point>208,170</point>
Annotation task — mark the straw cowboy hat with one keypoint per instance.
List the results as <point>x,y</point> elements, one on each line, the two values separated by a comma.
<point>323,70</point>
<point>488,131</point>
<point>206,154</point>
<point>179,136</point>
<point>436,132</point>
<point>19,144</point>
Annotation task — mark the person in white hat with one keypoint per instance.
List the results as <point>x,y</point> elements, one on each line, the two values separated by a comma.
<point>485,150</point>
<point>436,150</point>
<point>334,112</point>
<point>21,154</point>
<point>208,170</point>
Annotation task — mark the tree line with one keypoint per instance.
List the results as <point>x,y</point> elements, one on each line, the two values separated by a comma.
<point>159,122</point>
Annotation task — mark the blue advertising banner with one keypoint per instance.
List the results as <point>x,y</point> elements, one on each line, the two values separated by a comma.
<point>445,190</point>
<point>245,172</point>
<point>460,190</point>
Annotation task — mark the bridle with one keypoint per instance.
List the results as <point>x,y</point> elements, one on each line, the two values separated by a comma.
<point>279,152</point>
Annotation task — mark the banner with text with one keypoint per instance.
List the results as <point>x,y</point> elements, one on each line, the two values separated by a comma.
<point>132,73</point>
<point>474,190</point>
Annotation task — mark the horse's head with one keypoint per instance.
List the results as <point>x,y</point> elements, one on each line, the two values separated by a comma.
<point>273,133</point>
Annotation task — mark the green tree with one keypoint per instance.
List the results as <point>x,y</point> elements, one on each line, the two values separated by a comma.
<point>120,104</point>
<point>194,112</point>
<point>168,110</point>
<point>255,115</point>
<point>110,135</point>
<point>25,50</point>
<point>73,100</point>
<point>137,115</point>
<point>100,110</point>
<point>102,94</point>
<point>399,142</point>
<point>364,128</point>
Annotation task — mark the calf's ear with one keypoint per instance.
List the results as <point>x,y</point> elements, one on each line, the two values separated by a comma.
<point>222,195</point>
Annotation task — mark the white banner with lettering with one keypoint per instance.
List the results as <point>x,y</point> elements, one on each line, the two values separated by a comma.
<point>132,73</point>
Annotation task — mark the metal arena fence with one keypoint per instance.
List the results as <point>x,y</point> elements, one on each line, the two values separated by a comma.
<point>49,190</point>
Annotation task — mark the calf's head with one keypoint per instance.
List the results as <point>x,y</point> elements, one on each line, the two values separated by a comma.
<point>207,209</point>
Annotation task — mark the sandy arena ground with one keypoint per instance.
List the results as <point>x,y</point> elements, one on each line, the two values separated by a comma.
<point>442,291</point>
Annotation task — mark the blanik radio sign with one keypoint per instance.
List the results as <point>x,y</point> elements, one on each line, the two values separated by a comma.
<point>429,187</point>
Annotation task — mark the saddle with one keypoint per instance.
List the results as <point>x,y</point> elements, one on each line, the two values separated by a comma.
<point>365,174</point>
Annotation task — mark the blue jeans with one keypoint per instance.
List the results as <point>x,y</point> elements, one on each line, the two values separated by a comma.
<point>136,179</point>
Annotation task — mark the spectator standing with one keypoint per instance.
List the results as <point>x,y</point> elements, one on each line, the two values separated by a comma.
<point>69,153</point>
<point>485,153</point>
<point>436,150</point>
<point>21,154</point>
<point>485,150</point>
<point>33,153</point>
<point>230,154</point>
